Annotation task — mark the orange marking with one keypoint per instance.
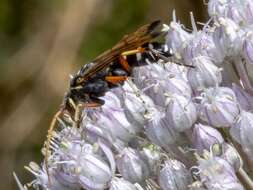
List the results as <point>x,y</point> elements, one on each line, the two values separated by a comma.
<point>122,60</point>
<point>115,79</point>
<point>124,63</point>
<point>91,105</point>
<point>141,49</point>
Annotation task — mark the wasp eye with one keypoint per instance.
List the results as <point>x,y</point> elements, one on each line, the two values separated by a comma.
<point>79,80</point>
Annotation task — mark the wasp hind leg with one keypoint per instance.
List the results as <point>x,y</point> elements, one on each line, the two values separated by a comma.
<point>123,62</point>
<point>120,75</point>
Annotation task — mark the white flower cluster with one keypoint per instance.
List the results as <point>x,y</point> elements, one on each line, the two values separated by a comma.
<point>171,127</point>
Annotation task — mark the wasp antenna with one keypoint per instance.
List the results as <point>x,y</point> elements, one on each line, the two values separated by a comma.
<point>152,29</point>
<point>153,25</point>
<point>156,34</point>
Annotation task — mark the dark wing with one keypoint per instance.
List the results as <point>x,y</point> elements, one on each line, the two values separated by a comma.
<point>129,42</point>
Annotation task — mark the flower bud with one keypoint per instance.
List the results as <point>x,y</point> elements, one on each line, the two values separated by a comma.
<point>58,180</point>
<point>242,132</point>
<point>176,37</point>
<point>111,100</point>
<point>117,123</point>
<point>233,9</point>
<point>160,132</point>
<point>204,137</point>
<point>230,154</point>
<point>181,113</point>
<point>91,168</point>
<point>69,133</point>
<point>228,37</point>
<point>216,173</point>
<point>217,8</point>
<point>247,48</point>
<point>94,132</point>
<point>152,156</point>
<point>248,6</point>
<point>157,82</point>
<point>204,75</point>
<point>152,71</point>
<point>202,44</point>
<point>131,166</point>
<point>121,184</point>
<point>137,105</point>
<point>169,86</point>
<point>197,185</point>
<point>174,176</point>
<point>219,107</point>
<point>236,12</point>
<point>244,99</point>
<point>179,71</point>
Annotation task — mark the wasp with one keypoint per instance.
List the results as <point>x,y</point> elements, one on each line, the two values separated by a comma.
<point>110,68</point>
<point>107,71</point>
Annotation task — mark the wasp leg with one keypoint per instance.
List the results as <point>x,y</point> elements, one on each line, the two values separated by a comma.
<point>123,61</point>
<point>132,52</point>
<point>91,105</point>
<point>47,143</point>
<point>77,116</point>
<point>115,79</point>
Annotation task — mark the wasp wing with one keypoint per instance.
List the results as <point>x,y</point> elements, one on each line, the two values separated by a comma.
<point>129,42</point>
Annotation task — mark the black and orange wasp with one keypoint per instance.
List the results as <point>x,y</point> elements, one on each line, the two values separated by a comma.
<point>106,71</point>
<point>110,68</point>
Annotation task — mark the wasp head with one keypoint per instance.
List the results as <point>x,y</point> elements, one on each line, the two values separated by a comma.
<point>76,81</point>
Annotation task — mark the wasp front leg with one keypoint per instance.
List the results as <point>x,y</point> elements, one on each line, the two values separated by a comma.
<point>48,142</point>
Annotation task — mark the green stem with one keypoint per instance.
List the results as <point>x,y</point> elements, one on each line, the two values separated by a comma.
<point>245,179</point>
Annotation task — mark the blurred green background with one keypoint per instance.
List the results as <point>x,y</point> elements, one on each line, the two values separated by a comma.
<point>41,43</point>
